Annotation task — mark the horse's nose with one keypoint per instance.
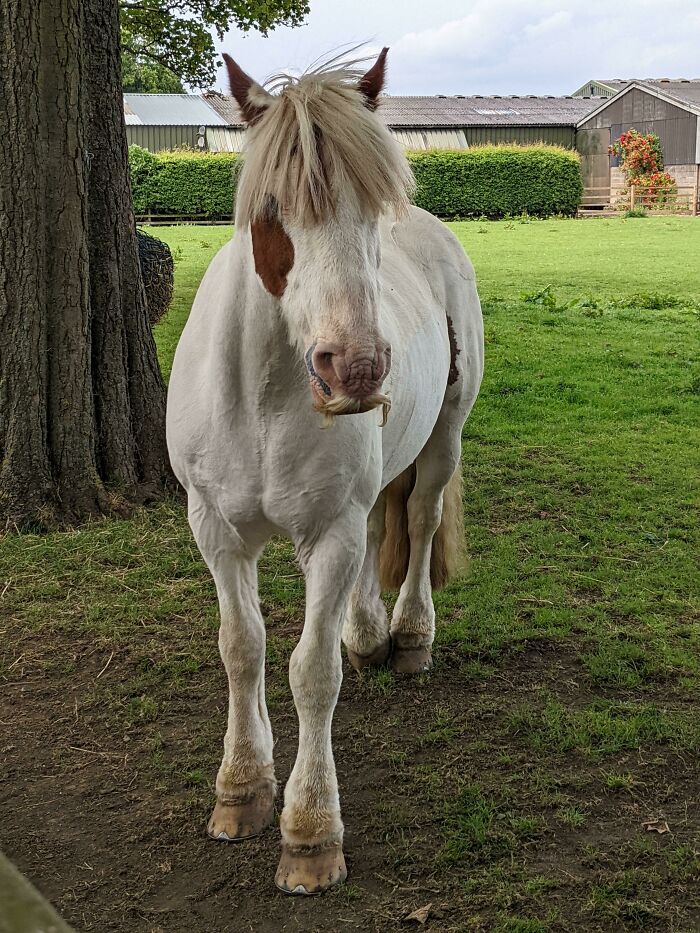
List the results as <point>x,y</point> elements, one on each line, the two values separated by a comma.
<point>354,371</point>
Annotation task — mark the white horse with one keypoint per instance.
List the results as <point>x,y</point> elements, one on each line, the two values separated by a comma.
<point>334,297</point>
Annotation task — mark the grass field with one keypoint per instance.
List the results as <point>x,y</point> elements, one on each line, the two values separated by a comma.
<point>510,788</point>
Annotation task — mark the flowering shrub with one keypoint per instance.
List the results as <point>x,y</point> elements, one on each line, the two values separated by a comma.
<point>642,164</point>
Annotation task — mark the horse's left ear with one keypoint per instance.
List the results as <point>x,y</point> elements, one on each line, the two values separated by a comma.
<point>250,96</point>
<point>372,83</point>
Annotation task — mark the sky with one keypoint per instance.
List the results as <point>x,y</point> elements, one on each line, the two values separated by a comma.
<point>488,46</point>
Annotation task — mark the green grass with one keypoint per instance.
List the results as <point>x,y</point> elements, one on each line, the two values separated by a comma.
<point>602,257</point>
<point>568,657</point>
<point>193,248</point>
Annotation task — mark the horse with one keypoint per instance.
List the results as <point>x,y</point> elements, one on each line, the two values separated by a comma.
<point>332,355</point>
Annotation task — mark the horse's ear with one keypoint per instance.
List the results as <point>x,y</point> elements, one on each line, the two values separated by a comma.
<point>372,83</point>
<point>250,97</point>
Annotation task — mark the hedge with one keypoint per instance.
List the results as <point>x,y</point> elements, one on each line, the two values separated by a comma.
<point>494,181</point>
<point>485,181</point>
<point>182,182</point>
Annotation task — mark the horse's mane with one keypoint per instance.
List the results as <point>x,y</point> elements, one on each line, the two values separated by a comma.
<point>316,138</point>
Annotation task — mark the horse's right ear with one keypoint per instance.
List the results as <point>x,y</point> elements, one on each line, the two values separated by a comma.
<point>250,96</point>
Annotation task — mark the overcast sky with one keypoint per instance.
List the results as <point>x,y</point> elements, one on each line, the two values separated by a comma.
<point>489,46</point>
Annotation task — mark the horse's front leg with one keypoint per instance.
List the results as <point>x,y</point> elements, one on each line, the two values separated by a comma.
<point>245,784</point>
<point>312,830</point>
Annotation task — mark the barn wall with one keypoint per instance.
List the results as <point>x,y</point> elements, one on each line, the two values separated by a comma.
<point>159,138</point>
<point>592,145</point>
<point>429,138</point>
<point>521,135</point>
<point>684,176</point>
<point>225,138</point>
<point>646,113</point>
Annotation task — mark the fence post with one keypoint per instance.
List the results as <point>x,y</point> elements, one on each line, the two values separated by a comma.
<point>632,196</point>
<point>696,192</point>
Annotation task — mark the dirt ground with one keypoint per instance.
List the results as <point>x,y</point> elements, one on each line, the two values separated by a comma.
<point>109,822</point>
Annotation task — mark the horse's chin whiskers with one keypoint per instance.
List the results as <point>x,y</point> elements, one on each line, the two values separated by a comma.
<point>344,405</point>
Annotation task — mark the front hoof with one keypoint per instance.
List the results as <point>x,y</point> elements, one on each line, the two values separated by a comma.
<point>233,821</point>
<point>310,870</point>
<point>411,660</point>
<point>377,658</point>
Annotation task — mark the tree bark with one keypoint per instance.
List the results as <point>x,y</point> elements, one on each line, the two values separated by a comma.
<point>129,393</point>
<point>81,397</point>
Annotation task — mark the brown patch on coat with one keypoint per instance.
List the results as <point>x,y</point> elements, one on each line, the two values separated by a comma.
<point>273,253</point>
<point>453,374</point>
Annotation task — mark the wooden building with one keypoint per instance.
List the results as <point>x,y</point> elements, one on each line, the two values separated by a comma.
<point>671,109</point>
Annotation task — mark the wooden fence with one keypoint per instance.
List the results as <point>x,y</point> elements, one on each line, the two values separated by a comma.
<point>604,199</point>
<point>172,219</point>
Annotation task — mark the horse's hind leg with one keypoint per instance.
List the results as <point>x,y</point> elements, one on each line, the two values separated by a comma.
<point>366,628</point>
<point>434,501</point>
<point>245,784</point>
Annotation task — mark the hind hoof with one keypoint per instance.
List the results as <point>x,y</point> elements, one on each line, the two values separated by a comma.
<point>233,821</point>
<point>310,871</point>
<point>411,660</point>
<point>377,658</point>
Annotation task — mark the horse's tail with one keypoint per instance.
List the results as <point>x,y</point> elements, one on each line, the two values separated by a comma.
<point>448,547</point>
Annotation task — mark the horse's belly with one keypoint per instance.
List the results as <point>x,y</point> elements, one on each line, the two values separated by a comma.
<point>416,386</point>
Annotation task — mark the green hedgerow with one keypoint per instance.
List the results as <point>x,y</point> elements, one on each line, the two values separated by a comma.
<point>498,181</point>
<point>183,182</point>
<point>485,181</point>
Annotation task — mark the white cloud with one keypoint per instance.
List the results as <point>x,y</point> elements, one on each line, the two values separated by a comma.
<point>547,46</point>
<point>491,46</point>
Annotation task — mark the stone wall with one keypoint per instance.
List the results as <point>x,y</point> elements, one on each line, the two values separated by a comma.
<point>685,175</point>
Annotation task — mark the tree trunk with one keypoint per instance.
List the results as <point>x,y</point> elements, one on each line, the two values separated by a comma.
<point>81,397</point>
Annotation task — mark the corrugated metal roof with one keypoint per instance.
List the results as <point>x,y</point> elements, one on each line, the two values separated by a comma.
<point>684,89</point>
<point>486,111</point>
<point>129,116</point>
<point>172,110</point>
<point>225,106</point>
<point>439,111</point>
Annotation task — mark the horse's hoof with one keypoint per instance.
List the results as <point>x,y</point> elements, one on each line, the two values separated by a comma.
<point>310,871</point>
<point>377,658</point>
<point>411,660</point>
<point>233,821</point>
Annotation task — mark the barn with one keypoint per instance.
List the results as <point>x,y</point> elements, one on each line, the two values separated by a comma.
<point>669,108</point>
<point>212,121</point>
<point>172,121</point>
